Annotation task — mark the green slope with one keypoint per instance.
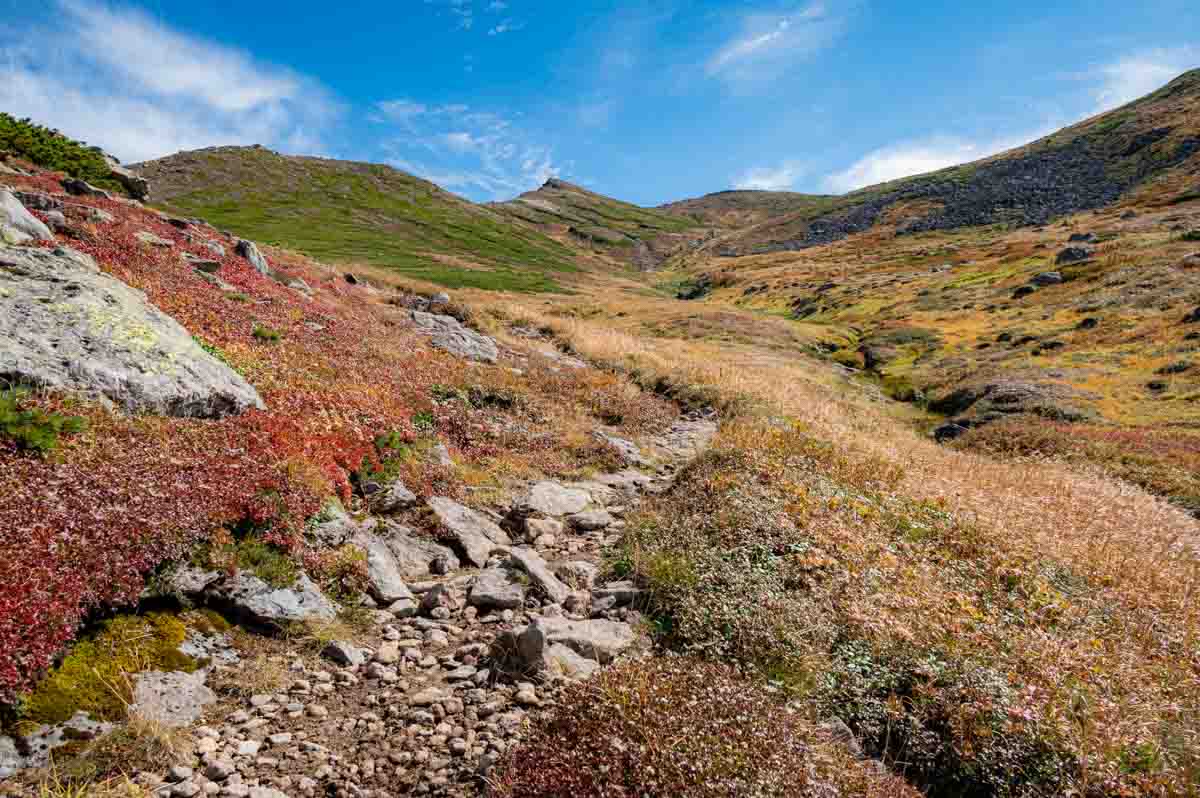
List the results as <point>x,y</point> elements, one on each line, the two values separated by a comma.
<point>644,236</point>
<point>347,212</point>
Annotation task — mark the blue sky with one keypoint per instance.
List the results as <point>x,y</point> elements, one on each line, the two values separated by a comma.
<point>645,101</point>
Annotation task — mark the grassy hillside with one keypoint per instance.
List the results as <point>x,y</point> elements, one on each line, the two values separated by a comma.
<point>643,236</point>
<point>1087,166</point>
<point>735,209</point>
<point>345,212</point>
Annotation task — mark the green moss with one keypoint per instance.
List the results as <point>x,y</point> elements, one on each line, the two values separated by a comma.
<point>269,563</point>
<point>96,676</point>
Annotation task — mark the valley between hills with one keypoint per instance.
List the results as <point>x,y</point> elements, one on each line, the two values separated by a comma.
<point>321,480</point>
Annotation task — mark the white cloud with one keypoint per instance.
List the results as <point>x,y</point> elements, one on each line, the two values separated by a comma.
<point>1138,74</point>
<point>479,153</point>
<point>128,83</point>
<point>778,178</point>
<point>768,43</point>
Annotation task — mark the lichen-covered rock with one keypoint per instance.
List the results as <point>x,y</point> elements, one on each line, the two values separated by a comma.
<point>447,333</point>
<point>66,325</point>
<point>34,750</point>
<point>15,218</point>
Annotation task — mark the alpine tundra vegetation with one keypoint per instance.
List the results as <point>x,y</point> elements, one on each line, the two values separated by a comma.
<point>318,479</point>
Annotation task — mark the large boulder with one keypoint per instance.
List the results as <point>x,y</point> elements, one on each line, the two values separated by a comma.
<point>131,181</point>
<point>254,599</point>
<point>475,535</point>
<point>497,588</point>
<point>66,325</point>
<point>553,500</point>
<point>249,251</point>
<point>385,579</point>
<point>557,644</point>
<point>18,225</point>
<point>447,333</point>
<point>416,556</point>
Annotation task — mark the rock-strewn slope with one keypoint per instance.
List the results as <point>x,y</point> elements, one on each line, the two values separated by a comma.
<point>436,692</point>
<point>1084,167</point>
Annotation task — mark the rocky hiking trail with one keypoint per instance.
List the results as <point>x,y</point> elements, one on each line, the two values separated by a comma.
<point>466,641</point>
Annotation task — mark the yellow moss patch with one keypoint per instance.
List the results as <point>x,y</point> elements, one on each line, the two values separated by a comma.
<point>96,677</point>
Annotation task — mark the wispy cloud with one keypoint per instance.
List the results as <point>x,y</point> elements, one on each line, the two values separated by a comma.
<point>775,178</point>
<point>1137,74</point>
<point>768,43</point>
<point>481,154</point>
<point>140,89</point>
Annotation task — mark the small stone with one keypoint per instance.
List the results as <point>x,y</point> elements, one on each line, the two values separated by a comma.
<point>219,770</point>
<point>185,789</point>
<point>179,773</point>
<point>248,748</point>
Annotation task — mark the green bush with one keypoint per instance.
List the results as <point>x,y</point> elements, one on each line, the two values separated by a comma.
<point>33,430</point>
<point>267,335</point>
<point>50,150</point>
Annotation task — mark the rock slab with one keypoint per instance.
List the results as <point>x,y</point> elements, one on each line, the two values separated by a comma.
<point>448,334</point>
<point>66,325</point>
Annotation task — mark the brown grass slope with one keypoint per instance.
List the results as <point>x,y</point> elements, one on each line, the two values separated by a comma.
<point>1094,357</point>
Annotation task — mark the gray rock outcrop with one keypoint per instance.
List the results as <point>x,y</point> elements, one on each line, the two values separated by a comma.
<point>17,224</point>
<point>496,588</point>
<point>448,334</point>
<point>252,598</point>
<point>472,533</point>
<point>558,645</point>
<point>554,500</point>
<point>540,573</point>
<point>66,325</point>
<point>386,581</point>
<point>137,186</point>
<point>171,699</point>
<point>249,251</point>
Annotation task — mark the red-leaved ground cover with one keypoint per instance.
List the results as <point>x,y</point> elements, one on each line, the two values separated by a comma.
<point>81,528</point>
